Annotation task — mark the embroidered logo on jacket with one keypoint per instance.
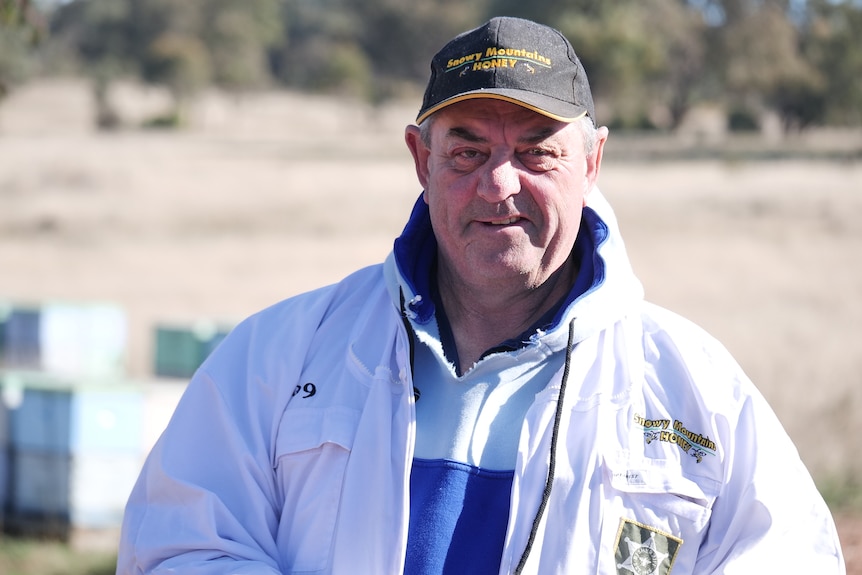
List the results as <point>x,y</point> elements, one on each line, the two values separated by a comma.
<point>695,444</point>
<point>643,550</point>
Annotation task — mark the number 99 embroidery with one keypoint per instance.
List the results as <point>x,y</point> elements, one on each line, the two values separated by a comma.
<point>309,389</point>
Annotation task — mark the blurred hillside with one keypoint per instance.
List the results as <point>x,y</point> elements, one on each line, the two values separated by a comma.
<point>775,66</point>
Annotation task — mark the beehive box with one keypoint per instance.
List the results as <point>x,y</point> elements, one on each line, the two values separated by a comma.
<point>74,451</point>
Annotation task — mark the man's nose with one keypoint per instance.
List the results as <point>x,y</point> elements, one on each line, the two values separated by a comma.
<point>498,181</point>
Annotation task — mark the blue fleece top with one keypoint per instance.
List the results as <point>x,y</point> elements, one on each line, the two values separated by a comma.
<point>468,425</point>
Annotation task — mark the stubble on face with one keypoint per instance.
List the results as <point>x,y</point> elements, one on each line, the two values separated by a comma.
<point>505,189</point>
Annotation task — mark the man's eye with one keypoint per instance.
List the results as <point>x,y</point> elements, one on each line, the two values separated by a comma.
<point>537,152</point>
<point>539,159</point>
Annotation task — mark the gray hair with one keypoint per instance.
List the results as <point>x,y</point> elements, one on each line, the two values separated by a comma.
<point>425,130</point>
<point>590,133</point>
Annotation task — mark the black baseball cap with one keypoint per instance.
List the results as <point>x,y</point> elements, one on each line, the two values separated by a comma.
<point>515,60</point>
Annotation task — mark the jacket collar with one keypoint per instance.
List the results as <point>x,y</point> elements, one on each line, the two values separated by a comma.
<point>601,300</point>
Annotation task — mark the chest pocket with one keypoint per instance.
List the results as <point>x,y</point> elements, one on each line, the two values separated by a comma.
<point>654,518</point>
<point>312,449</point>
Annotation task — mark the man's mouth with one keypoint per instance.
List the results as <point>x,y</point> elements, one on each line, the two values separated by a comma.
<point>505,222</point>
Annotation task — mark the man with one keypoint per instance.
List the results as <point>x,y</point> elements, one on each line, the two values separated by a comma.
<point>495,398</point>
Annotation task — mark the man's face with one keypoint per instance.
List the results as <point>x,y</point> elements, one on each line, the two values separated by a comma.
<point>505,187</point>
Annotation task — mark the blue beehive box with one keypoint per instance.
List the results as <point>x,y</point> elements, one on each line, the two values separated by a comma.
<point>75,450</point>
<point>4,458</point>
<point>21,338</point>
<point>77,418</point>
<point>5,309</point>
<point>78,339</point>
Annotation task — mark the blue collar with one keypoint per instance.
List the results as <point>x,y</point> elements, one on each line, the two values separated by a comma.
<point>416,255</point>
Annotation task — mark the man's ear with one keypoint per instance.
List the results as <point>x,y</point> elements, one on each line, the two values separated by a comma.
<point>420,153</point>
<point>594,162</point>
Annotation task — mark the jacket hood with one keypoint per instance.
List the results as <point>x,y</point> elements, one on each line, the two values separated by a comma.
<point>614,292</point>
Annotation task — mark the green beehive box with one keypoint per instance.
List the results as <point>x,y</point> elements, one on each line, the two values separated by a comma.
<point>180,350</point>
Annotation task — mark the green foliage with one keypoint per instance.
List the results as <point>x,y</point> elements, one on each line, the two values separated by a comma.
<point>238,37</point>
<point>742,120</point>
<point>182,45</point>
<point>12,13</point>
<point>800,101</point>
<point>22,15</point>
<point>35,557</point>
<point>170,120</point>
<point>646,78</point>
<point>179,62</point>
<point>102,34</point>
<point>832,46</point>
<point>22,28</point>
<point>378,45</point>
<point>842,493</point>
<point>764,64</point>
<point>401,37</point>
<point>13,59</point>
<point>649,61</point>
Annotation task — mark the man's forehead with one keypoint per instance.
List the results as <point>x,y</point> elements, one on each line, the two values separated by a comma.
<point>530,136</point>
<point>476,120</point>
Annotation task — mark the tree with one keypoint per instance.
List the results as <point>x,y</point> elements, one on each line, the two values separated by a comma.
<point>22,27</point>
<point>551,12</point>
<point>180,63</point>
<point>684,74</point>
<point>645,59</point>
<point>183,45</point>
<point>831,44</point>
<point>316,32</point>
<point>238,37</point>
<point>371,50</point>
<point>186,45</point>
<point>649,61</point>
<point>400,37</point>
<point>765,67</point>
<point>102,34</point>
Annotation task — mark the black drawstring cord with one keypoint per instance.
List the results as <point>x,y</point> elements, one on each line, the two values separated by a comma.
<point>546,494</point>
<point>410,343</point>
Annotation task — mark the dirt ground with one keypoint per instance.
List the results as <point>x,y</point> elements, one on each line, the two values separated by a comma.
<point>273,194</point>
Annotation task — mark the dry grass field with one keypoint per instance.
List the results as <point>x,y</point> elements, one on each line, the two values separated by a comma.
<point>269,195</point>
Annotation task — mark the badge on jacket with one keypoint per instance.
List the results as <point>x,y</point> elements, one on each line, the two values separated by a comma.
<point>644,550</point>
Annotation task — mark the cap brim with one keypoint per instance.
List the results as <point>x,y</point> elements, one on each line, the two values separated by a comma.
<point>543,105</point>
